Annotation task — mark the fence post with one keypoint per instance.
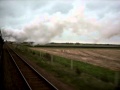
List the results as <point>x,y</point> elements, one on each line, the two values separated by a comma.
<point>71,64</point>
<point>117,80</point>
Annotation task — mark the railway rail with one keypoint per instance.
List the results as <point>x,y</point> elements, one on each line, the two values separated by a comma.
<point>33,79</point>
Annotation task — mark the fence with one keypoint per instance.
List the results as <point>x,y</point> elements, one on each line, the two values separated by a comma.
<point>78,67</point>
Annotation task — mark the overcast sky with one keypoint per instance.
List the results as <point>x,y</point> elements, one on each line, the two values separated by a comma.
<point>43,21</point>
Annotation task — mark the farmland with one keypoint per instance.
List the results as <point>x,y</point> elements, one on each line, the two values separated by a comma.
<point>80,68</point>
<point>108,58</point>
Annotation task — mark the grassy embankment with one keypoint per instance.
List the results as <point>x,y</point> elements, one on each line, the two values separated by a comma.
<point>83,76</point>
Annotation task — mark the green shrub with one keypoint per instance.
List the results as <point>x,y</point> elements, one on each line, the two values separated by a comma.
<point>105,79</point>
<point>33,53</point>
<point>47,56</point>
<point>78,71</point>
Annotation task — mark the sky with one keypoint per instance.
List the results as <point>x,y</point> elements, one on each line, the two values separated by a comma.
<point>44,21</point>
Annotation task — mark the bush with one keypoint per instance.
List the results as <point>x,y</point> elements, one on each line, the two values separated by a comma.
<point>47,56</point>
<point>33,53</point>
<point>105,79</point>
<point>78,71</point>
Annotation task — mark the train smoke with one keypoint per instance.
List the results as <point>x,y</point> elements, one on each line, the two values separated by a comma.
<point>44,28</point>
<point>39,32</point>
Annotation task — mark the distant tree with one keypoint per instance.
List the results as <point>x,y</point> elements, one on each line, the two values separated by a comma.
<point>77,43</point>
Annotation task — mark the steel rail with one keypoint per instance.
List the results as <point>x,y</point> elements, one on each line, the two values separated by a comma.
<point>20,71</point>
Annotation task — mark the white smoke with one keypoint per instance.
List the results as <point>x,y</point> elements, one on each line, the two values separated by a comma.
<point>46,27</point>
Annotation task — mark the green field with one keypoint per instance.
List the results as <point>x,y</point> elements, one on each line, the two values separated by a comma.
<point>81,76</point>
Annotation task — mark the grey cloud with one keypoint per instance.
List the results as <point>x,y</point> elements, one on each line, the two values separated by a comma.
<point>61,7</point>
<point>19,11</point>
<point>103,8</point>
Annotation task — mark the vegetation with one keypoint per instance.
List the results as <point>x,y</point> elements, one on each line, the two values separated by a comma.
<point>83,76</point>
<point>79,45</point>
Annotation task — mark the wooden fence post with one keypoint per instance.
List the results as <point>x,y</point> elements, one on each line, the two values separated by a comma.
<point>117,80</point>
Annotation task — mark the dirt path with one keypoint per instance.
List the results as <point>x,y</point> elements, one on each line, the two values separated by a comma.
<point>108,58</point>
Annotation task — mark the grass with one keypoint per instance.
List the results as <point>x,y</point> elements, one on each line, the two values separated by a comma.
<point>98,72</point>
<point>83,76</point>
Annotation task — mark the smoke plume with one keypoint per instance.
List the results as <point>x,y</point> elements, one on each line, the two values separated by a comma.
<point>44,28</point>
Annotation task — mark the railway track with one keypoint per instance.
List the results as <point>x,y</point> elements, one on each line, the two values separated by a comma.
<point>33,79</point>
<point>12,80</point>
<point>1,71</point>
